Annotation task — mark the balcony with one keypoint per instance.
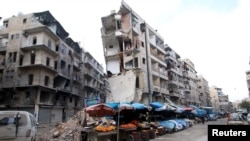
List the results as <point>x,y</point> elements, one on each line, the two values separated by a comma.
<point>37,47</point>
<point>39,66</point>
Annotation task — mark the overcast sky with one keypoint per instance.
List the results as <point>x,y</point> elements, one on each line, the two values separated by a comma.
<point>213,34</point>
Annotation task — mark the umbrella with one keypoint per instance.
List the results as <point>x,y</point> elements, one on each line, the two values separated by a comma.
<point>187,108</point>
<point>156,105</point>
<point>100,110</point>
<point>125,106</point>
<point>139,106</point>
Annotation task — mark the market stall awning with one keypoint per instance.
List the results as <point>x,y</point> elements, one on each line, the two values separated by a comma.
<point>100,110</point>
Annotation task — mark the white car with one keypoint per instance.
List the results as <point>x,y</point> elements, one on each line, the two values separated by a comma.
<point>235,119</point>
<point>17,126</point>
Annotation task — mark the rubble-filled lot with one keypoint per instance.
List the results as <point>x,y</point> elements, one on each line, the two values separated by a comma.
<point>66,131</point>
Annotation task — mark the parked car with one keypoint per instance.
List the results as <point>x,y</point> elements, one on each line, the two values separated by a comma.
<point>17,126</point>
<point>235,119</point>
<point>248,118</point>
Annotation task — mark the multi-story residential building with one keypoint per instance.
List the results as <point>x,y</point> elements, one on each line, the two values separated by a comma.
<point>224,103</point>
<point>215,92</point>
<point>94,90</point>
<point>42,69</point>
<point>135,56</point>
<point>248,81</point>
<point>190,80</point>
<point>175,77</point>
<point>204,94</point>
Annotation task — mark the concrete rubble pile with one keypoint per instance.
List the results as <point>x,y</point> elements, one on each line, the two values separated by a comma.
<point>66,131</point>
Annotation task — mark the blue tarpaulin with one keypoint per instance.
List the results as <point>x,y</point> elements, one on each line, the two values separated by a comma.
<point>139,106</point>
<point>156,105</point>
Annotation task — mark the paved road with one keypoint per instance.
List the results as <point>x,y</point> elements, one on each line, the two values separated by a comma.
<point>196,133</point>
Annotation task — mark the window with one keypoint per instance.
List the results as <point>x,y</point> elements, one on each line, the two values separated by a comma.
<point>30,79</point>
<point>136,62</point>
<point>142,44</point>
<point>14,57</point>
<point>10,57</point>
<point>110,46</point>
<point>12,36</point>
<point>55,65</point>
<point>57,47</point>
<point>34,42</point>
<point>70,99</point>
<point>16,36</point>
<point>137,82</point>
<point>24,20</point>
<point>69,68</point>
<point>118,23</point>
<point>27,95</point>
<point>21,60</point>
<point>47,61</point>
<point>46,81</point>
<point>32,58</point>
<point>49,43</point>
<point>6,23</point>
<point>143,60</point>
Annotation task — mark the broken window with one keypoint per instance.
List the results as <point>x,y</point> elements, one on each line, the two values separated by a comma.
<point>142,44</point>
<point>47,61</point>
<point>136,62</point>
<point>143,60</point>
<point>24,20</point>
<point>27,95</point>
<point>62,64</point>
<point>137,82</point>
<point>118,24</point>
<point>49,43</point>
<point>57,47</point>
<point>32,58</point>
<point>14,57</point>
<point>6,23</point>
<point>34,41</point>
<point>55,66</point>
<point>69,68</point>
<point>30,79</point>
<point>21,60</point>
<point>10,57</point>
<point>46,81</point>
<point>12,36</point>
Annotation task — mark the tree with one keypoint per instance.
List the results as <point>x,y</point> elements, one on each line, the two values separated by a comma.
<point>245,104</point>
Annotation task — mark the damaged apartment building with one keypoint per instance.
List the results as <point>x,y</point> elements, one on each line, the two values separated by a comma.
<point>42,69</point>
<point>141,67</point>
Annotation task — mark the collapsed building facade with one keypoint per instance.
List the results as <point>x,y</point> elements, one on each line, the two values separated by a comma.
<point>142,66</point>
<point>42,69</point>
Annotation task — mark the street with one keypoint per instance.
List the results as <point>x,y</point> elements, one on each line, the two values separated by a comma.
<point>196,133</point>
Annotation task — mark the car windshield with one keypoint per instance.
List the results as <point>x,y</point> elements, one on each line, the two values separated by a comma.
<point>235,116</point>
<point>8,119</point>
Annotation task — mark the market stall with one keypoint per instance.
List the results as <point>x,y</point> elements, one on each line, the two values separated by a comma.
<point>101,127</point>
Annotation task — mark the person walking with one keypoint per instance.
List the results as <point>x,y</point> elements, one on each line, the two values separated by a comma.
<point>203,118</point>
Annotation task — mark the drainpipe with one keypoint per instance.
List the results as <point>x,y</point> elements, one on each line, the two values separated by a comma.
<point>148,75</point>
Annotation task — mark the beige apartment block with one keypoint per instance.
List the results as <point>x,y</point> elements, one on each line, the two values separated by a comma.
<point>204,93</point>
<point>95,81</point>
<point>190,83</point>
<point>41,69</point>
<point>134,49</point>
<point>175,76</point>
